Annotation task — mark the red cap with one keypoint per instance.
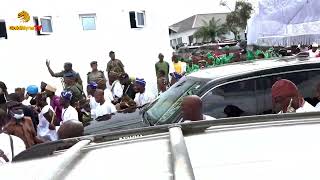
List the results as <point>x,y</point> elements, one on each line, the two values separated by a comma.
<point>284,88</point>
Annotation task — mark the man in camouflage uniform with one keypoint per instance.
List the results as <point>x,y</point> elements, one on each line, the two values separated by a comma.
<point>75,88</point>
<point>67,69</point>
<point>95,75</point>
<point>114,64</point>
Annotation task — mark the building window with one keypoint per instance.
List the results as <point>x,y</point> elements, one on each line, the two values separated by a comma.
<point>179,40</point>
<point>140,18</point>
<point>44,25</point>
<point>3,30</point>
<point>190,39</point>
<point>88,21</point>
<point>137,19</point>
<point>172,43</point>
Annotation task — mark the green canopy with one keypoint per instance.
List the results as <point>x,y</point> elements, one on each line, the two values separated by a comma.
<point>250,55</point>
<point>191,69</point>
<point>226,59</point>
<point>258,52</point>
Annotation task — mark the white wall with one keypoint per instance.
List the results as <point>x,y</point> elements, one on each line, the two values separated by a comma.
<point>23,54</point>
<point>185,35</point>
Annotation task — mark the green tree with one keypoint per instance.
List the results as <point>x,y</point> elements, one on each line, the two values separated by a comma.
<point>237,20</point>
<point>210,30</point>
<point>232,24</point>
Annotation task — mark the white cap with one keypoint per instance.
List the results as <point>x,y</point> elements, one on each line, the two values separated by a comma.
<point>51,88</point>
<point>315,45</point>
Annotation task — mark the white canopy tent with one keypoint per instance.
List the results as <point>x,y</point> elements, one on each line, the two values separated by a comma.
<point>285,23</point>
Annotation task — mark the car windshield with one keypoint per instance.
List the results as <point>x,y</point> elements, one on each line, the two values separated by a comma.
<point>169,102</point>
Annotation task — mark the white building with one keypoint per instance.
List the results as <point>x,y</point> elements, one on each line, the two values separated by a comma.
<point>80,31</point>
<point>182,32</point>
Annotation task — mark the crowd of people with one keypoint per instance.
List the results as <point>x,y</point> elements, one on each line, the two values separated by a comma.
<point>37,114</point>
<point>193,62</point>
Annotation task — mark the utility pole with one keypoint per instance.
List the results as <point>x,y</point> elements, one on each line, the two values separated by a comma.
<point>224,3</point>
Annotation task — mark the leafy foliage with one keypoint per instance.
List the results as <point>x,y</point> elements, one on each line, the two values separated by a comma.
<point>243,10</point>
<point>210,30</point>
<point>237,20</point>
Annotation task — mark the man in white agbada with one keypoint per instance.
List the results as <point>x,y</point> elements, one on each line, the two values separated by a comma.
<point>286,98</point>
<point>314,52</point>
<point>116,87</point>
<point>46,129</point>
<point>91,89</point>
<point>104,108</point>
<point>68,112</point>
<point>108,96</point>
<point>143,97</point>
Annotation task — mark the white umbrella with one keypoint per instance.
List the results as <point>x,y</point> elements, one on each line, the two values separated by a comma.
<point>285,23</point>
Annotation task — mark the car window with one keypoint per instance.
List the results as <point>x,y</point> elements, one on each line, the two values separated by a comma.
<point>170,101</point>
<point>306,82</point>
<point>253,97</point>
<point>231,100</point>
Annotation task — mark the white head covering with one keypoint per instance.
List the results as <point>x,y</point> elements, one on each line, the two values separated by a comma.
<point>51,88</point>
<point>315,45</point>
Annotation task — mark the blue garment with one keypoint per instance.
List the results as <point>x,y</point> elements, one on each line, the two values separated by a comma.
<point>141,82</point>
<point>93,85</point>
<point>32,90</point>
<point>66,95</point>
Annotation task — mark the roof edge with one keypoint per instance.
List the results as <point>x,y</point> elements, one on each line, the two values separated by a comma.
<point>194,21</point>
<point>173,25</point>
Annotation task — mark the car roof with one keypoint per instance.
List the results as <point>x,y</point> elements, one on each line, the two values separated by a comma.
<point>268,145</point>
<point>234,69</point>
